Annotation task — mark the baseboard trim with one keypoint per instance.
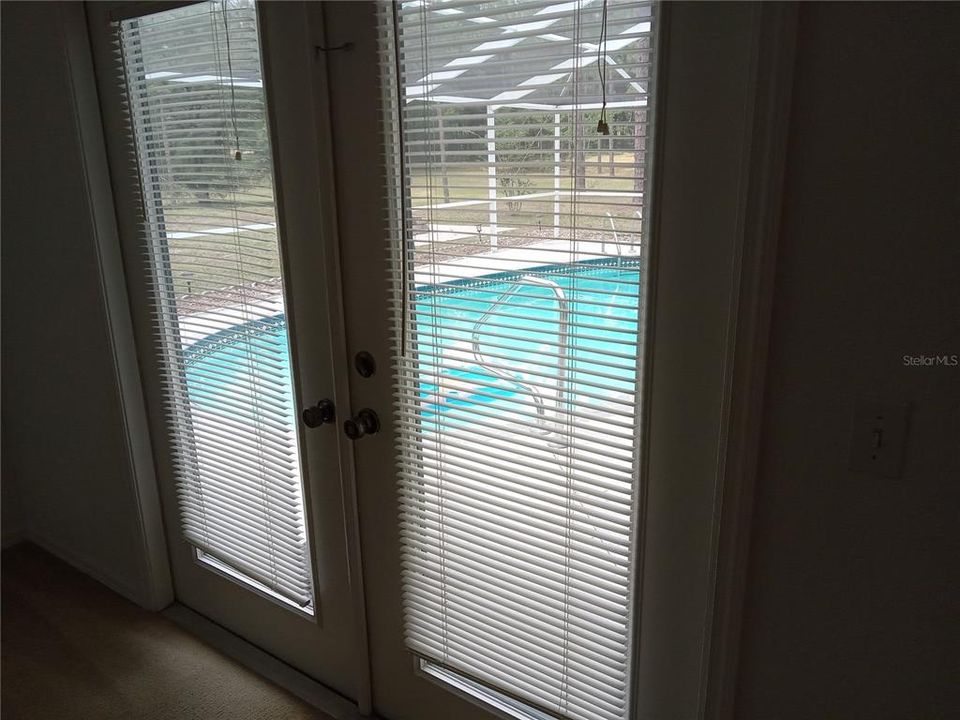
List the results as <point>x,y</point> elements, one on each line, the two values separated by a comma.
<point>265,665</point>
<point>131,593</point>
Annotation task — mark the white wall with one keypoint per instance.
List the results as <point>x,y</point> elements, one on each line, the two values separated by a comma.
<point>851,608</point>
<point>66,432</point>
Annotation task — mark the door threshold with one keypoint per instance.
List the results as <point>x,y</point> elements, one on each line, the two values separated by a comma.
<point>265,664</point>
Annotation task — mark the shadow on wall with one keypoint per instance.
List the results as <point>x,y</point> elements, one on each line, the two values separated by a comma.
<point>853,594</point>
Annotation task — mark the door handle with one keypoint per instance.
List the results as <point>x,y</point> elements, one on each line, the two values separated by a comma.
<point>365,422</point>
<point>320,414</point>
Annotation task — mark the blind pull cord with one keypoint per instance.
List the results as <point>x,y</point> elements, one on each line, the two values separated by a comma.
<point>238,155</point>
<point>602,126</point>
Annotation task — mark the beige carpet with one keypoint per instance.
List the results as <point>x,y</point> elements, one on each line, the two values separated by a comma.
<point>73,649</point>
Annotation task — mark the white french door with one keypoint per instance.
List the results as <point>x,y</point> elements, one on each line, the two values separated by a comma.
<point>557,304</point>
<point>217,175</point>
<point>502,239</point>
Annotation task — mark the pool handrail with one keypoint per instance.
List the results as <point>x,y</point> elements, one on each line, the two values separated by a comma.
<point>563,349</point>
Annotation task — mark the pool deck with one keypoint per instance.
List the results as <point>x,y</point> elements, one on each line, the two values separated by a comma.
<point>198,325</point>
<point>550,252</point>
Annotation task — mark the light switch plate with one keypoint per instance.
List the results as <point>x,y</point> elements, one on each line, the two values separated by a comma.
<point>879,437</point>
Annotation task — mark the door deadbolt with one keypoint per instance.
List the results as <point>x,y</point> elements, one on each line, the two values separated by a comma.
<point>320,414</point>
<point>365,422</point>
<point>365,364</point>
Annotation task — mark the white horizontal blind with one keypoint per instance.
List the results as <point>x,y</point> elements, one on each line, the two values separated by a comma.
<point>198,117</point>
<point>518,264</point>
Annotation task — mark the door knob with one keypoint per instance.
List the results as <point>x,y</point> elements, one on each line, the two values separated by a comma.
<point>365,422</point>
<point>319,414</point>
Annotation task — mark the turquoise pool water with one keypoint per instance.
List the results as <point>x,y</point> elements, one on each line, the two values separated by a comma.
<point>521,347</point>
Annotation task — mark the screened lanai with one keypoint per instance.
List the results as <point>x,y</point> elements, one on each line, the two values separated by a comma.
<point>502,147</point>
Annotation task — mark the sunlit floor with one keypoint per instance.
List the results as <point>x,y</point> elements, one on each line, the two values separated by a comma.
<point>74,649</point>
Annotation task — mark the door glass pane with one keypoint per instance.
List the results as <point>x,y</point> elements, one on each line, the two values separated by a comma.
<point>519,139</point>
<point>199,124</point>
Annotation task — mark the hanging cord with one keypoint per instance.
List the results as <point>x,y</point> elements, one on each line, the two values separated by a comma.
<point>233,92</point>
<point>401,155</point>
<point>602,126</point>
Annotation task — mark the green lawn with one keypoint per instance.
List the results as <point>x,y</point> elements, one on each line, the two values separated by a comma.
<point>471,183</point>
<point>255,257</point>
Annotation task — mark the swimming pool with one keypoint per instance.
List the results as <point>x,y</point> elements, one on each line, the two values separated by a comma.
<point>546,337</point>
<point>559,336</point>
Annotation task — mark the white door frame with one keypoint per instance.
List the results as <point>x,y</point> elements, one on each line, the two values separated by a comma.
<point>745,377</point>
<point>768,33</point>
<point>154,589</point>
<point>761,182</point>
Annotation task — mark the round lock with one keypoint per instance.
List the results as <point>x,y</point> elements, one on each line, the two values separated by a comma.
<point>365,364</point>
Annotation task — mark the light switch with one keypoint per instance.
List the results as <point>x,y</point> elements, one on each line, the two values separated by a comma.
<point>879,437</point>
